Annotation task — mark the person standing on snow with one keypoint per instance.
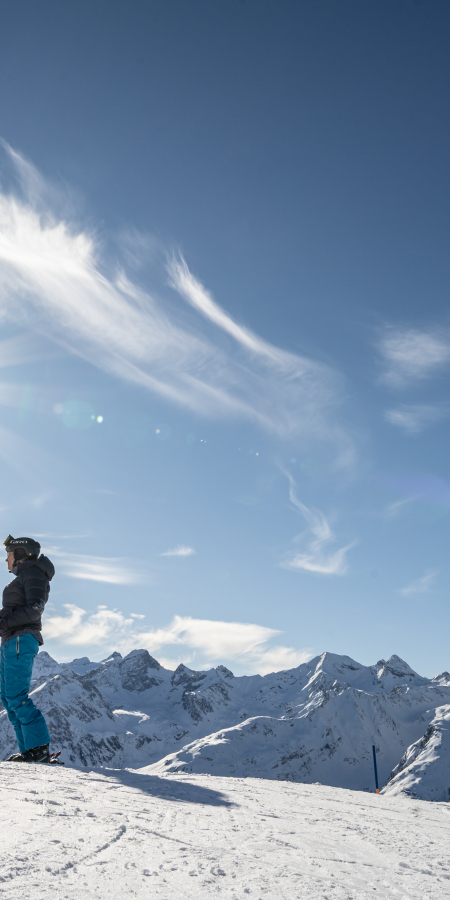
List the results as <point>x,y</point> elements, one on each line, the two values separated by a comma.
<point>24,599</point>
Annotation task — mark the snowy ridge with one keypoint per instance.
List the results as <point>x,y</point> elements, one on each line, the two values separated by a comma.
<point>424,769</point>
<point>314,723</point>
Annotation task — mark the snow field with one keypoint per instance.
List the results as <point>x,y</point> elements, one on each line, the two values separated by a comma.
<point>67,833</point>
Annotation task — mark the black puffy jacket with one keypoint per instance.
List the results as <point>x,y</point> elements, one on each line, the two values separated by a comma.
<point>24,598</point>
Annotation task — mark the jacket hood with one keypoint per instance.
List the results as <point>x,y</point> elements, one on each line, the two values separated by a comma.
<point>46,565</point>
<point>43,563</point>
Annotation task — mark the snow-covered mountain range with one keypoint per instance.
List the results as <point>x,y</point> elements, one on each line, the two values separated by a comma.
<point>315,723</point>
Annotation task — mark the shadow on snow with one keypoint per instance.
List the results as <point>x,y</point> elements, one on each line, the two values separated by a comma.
<point>154,786</point>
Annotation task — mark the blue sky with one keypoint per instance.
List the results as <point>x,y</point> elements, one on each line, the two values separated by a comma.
<point>225,339</point>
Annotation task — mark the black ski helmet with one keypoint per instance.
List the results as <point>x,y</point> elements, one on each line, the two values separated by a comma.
<point>29,547</point>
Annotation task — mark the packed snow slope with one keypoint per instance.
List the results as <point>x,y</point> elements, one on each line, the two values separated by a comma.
<point>68,834</point>
<point>315,723</point>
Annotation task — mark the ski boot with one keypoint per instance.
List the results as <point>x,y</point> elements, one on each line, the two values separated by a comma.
<point>36,755</point>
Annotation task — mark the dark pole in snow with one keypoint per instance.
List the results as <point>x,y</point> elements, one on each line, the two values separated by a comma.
<point>375,768</point>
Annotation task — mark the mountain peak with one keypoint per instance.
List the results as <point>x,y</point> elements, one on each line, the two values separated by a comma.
<point>226,673</point>
<point>397,666</point>
<point>113,655</point>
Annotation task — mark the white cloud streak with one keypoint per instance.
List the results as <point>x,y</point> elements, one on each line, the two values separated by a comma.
<point>21,349</point>
<point>421,586</point>
<point>318,558</point>
<point>181,550</point>
<point>191,353</point>
<point>412,355</point>
<point>414,418</point>
<point>196,642</point>
<point>394,508</point>
<point>110,570</point>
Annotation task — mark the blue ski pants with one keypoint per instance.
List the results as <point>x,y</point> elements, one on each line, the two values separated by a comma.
<point>16,667</point>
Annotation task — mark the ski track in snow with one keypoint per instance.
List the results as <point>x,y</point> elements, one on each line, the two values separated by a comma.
<point>67,833</point>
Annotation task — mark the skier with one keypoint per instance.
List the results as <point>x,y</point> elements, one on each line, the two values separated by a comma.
<point>24,600</point>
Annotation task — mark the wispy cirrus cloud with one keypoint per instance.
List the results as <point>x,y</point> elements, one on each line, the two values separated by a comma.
<point>413,418</point>
<point>420,586</point>
<point>412,355</point>
<point>181,550</point>
<point>184,347</point>
<point>393,509</point>
<point>22,348</point>
<point>420,488</point>
<point>196,642</point>
<point>318,557</point>
<point>110,570</point>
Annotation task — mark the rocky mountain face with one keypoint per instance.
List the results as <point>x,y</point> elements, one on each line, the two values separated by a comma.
<point>424,769</point>
<point>315,723</point>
